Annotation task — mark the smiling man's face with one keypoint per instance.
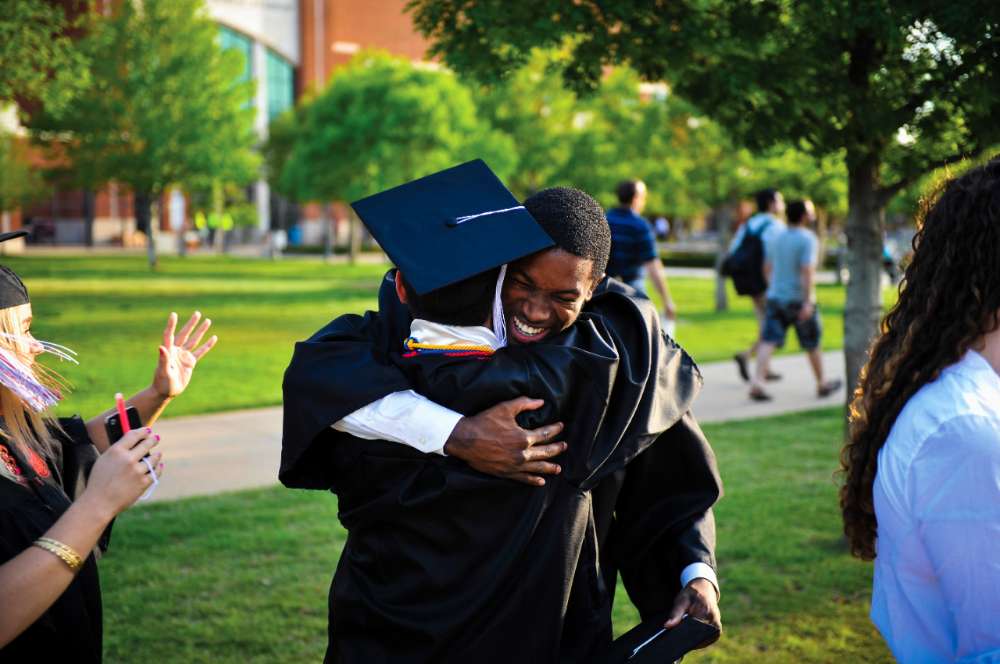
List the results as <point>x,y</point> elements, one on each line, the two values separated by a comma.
<point>544,293</point>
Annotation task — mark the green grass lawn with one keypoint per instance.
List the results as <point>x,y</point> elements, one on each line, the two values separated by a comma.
<point>111,310</point>
<point>243,577</point>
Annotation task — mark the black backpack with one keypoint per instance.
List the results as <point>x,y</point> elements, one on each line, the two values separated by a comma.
<point>746,263</point>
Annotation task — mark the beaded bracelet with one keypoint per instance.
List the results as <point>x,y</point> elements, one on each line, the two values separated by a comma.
<point>64,552</point>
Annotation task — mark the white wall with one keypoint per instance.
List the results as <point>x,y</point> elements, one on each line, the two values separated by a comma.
<point>275,23</point>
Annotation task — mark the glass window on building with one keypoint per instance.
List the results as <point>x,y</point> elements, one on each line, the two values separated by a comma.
<point>231,39</point>
<point>280,85</point>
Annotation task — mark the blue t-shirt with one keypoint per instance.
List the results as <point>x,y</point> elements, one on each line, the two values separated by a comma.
<point>788,252</point>
<point>632,244</point>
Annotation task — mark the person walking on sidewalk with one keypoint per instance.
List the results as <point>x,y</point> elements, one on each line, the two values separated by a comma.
<point>633,246</point>
<point>764,227</point>
<point>790,266</point>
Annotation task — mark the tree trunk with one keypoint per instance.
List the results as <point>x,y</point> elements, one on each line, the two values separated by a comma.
<point>327,231</point>
<point>354,235</point>
<point>864,250</point>
<point>88,217</point>
<point>722,225</point>
<point>143,222</point>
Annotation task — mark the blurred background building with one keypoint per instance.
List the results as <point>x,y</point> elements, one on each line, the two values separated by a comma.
<point>290,47</point>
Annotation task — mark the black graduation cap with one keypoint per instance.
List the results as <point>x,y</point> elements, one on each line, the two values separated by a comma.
<point>649,643</point>
<point>451,225</point>
<point>13,292</point>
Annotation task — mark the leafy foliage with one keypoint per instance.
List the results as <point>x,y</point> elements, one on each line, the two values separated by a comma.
<point>906,84</point>
<point>159,110</point>
<point>380,122</point>
<point>594,141</point>
<point>38,60</point>
<point>20,184</point>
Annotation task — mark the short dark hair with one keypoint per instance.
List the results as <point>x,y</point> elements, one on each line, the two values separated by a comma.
<point>467,302</point>
<point>796,212</point>
<point>764,198</point>
<point>575,222</point>
<point>626,191</point>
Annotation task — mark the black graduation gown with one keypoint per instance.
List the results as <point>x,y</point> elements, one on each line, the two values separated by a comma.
<point>529,585</point>
<point>71,629</point>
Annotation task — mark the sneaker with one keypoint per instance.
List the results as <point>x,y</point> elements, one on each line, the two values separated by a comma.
<point>760,395</point>
<point>829,387</point>
<point>771,377</point>
<point>741,364</point>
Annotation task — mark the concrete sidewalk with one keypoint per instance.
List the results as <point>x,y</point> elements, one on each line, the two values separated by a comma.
<point>209,454</point>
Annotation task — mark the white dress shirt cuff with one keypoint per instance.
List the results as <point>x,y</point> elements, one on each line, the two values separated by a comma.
<point>700,571</point>
<point>403,417</point>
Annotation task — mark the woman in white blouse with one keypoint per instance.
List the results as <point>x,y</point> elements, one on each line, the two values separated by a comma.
<point>922,466</point>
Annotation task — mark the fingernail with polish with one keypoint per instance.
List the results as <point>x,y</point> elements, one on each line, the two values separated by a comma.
<point>157,437</point>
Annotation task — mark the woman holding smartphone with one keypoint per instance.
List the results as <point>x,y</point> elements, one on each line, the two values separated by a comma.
<point>62,482</point>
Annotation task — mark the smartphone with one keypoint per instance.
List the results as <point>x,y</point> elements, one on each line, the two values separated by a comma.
<point>113,424</point>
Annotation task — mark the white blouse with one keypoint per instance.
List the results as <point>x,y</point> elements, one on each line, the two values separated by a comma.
<point>936,595</point>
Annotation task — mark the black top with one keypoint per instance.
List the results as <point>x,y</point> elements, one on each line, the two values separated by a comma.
<point>456,564</point>
<point>71,629</point>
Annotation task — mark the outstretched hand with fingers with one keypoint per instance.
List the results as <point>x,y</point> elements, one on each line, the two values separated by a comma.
<point>180,353</point>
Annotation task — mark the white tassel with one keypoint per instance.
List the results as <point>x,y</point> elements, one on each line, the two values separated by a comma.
<point>20,379</point>
<point>470,217</point>
<point>60,351</point>
<point>499,323</point>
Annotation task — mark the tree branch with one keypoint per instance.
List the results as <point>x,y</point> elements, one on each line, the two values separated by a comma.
<point>886,193</point>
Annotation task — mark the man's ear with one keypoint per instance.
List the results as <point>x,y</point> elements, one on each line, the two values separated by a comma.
<point>593,286</point>
<point>400,290</point>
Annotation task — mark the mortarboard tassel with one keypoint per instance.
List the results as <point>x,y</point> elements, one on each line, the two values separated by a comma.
<point>499,323</point>
<point>20,380</point>
<point>469,217</point>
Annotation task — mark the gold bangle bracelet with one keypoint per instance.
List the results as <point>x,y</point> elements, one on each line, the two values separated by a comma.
<point>62,551</point>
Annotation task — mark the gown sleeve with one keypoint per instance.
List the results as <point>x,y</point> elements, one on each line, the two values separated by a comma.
<point>332,374</point>
<point>663,518</point>
<point>75,458</point>
<point>654,515</point>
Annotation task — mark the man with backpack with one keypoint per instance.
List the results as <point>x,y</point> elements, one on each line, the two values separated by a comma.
<point>745,264</point>
<point>791,299</point>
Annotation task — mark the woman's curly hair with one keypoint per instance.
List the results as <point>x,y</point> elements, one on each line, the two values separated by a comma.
<point>949,298</point>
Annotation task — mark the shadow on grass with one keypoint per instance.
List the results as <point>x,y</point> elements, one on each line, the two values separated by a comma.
<point>243,577</point>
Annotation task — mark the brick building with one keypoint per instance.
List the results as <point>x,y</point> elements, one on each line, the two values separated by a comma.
<point>290,47</point>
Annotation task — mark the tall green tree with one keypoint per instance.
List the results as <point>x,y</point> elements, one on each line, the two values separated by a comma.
<point>621,134</point>
<point>164,106</point>
<point>281,136</point>
<point>538,113</point>
<point>39,62</point>
<point>621,131</point>
<point>898,87</point>
<point>382,121</point>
